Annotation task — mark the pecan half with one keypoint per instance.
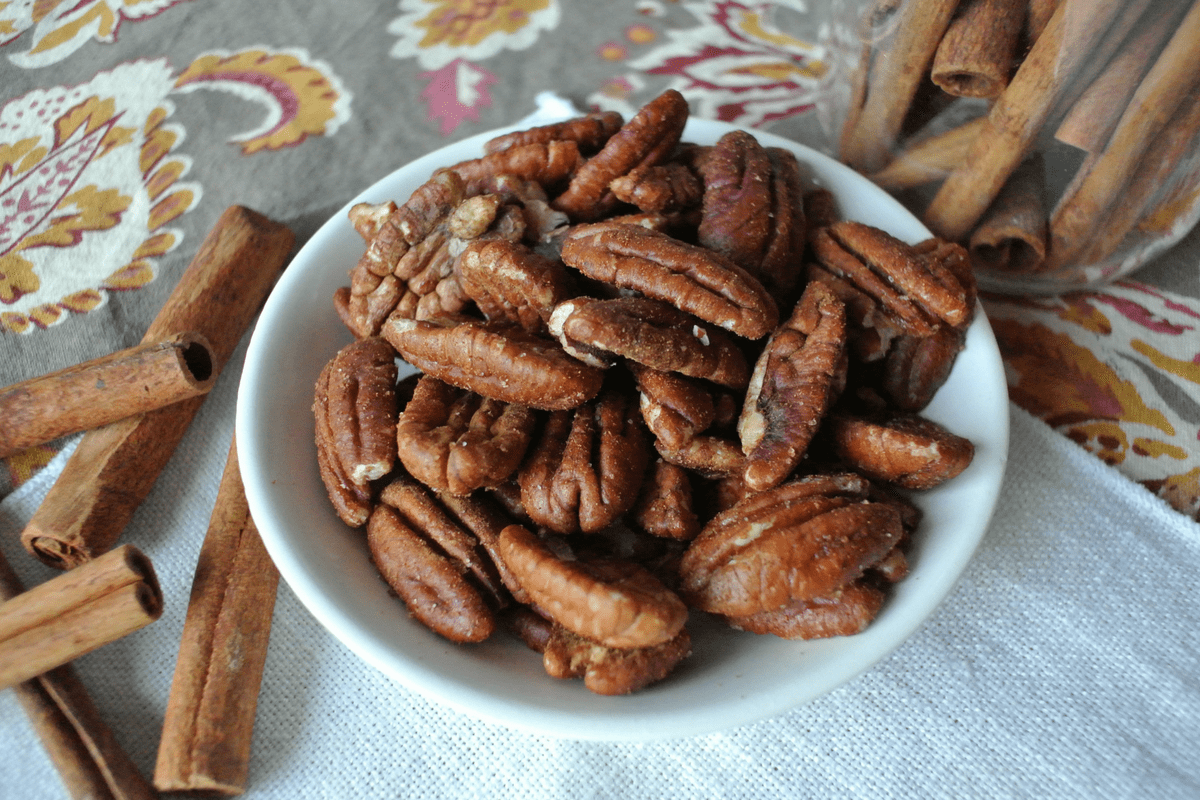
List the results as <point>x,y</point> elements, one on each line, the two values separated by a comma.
<point>905,450</point>
<point>795,380</point>
<point>510,282</point>
<point>848,611</point>
<point>675,408</point>
<point>647,139</point>
<point>589,132</point>
<point>354,406</point>
<point>659,189</point>
<point>798,541</point>
<point>612,671</point>
<point>430,584</point>
<point>649,332</point>
<point>586,468</point>
<point>495,361</point>
<point>693,279</point>
<point>614,603</point>
<point>737,199</point>
<point>547,164</point>
<point>456,441</point>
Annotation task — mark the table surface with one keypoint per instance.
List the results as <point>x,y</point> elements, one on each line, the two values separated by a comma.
<point>126,128</point>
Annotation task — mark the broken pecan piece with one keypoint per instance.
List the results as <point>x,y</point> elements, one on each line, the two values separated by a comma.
<point>665,507</point>
<point>650,332</point>
<point>432,586</point>
<point>502,362</point>
<point>795,380</point>
<point>614,603</point>
<point>797,541</point>
<point>647,139</point>
<point>675,408</point>
<point>586,468</point>
<point>693,279</point>
<point>904,449</point>
<point>456,441</point>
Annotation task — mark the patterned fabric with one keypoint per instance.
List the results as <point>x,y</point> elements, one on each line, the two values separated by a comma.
<point>157,114</point>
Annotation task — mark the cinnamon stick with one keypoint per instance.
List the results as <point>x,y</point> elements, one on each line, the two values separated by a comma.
<point>81,746</point>
<point>1039,14</point>
<point>1076,219</point>
<point>206,734</point>
<point>897,68</point>
<point>978,53</point>
<point>1179,139</point>
<point>76,612</point>
<point>1092,118</point>
<point>103,390</point>
<point>930,159</point>
<point>1018,114</point>
<point>114,467</point>
<point>1011,238</point>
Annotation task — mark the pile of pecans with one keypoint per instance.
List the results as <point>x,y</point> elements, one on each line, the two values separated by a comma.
<point>653,377</point>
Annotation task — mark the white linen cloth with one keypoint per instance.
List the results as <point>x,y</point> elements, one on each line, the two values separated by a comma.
<point>1065,664</point>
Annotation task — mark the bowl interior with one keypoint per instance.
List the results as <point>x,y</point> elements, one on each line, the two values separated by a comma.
<point>732,678</point>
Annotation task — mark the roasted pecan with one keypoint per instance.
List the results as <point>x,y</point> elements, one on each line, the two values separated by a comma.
<point>354,406</point>
<point>465,534</point>
<point>795,380</point>
<point>848,611</point>
<point>614,603</point>
<point>456,441</point>
<point>649,332</point>
<point>665,507</point>
<point>737,198</point>
<point>589,132</point>
<point>897,275</point>
<point>693,279</point>
<point>501,362</point>
<point>432,586</point>
<point>612,671</point>
<point>547,164</point>
<point>508,281</point>
<point>871,329</point>
<point>675,408</point>
<point>820,210</point>
<point>659,189</point>
<point>903,449</point>
<point>369,218</point>
<point>647,139</point>
<point>798,541</point>
<point>710,456</point>
<point>586,468</point>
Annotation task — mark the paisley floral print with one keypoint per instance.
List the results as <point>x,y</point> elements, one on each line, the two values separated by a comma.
<point>60,27</point>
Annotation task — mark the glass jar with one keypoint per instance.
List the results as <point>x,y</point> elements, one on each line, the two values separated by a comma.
<point>1058,140</point>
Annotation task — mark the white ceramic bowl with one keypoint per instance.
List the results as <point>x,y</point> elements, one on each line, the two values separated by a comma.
<point>732,678</point>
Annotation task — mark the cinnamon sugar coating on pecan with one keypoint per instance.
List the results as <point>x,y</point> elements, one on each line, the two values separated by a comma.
<point>614,603</point>
<point>737,199</point>
<point>431,585</point>
<point>848,611</point>
<point>691,278</point>
<point>707,455</point>
<point>508,281</point>
<point>547,164</point>
<point>903,449</point>
<point>589,132</point>
<point>783,545</point>
<point>456,441</point>
<point>793,385</point>
<point>674,407</point>
<point>653,333</point>
<point>585,470</point>
<point>501,362</point>
<point>647,139</point>
<point>611,671</point>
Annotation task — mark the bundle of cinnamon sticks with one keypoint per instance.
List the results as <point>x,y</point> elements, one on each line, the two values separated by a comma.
<point>1055,138</point>
<point>135,406</point>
